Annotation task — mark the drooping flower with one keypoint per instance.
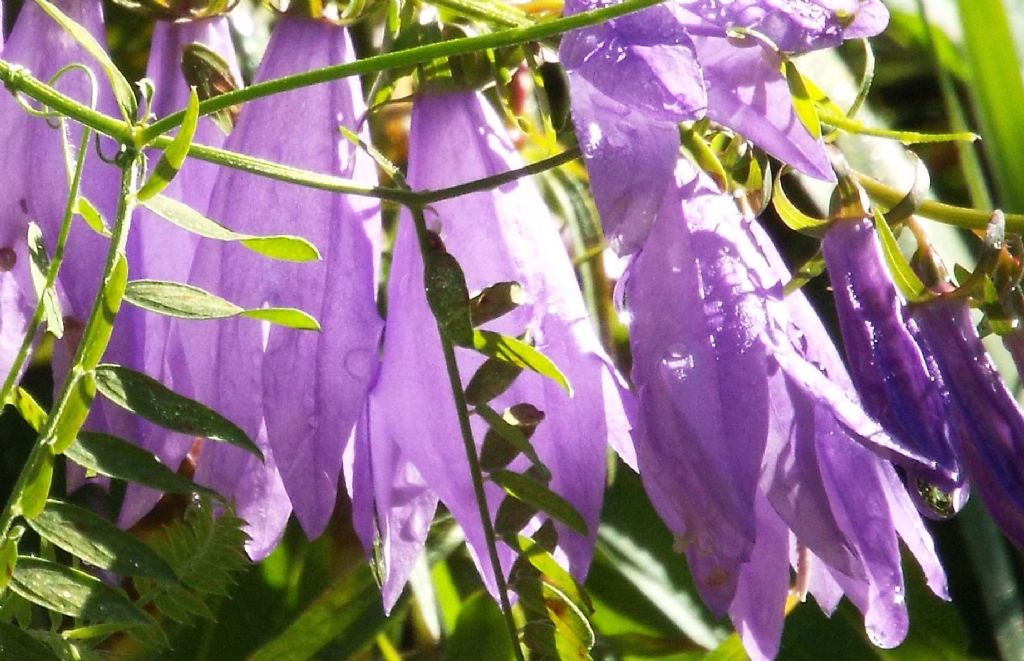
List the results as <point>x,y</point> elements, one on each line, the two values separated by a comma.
<point>35,183</point>
<point>297,393</point>
<point>750,439</point>
<point>159,250</point>
<point>634,78</point>
<point>498,235</point>
<point>988,421</point>
<point>898,383</point>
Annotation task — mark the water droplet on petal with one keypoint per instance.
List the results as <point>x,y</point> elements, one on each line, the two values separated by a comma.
<point>8,258</point>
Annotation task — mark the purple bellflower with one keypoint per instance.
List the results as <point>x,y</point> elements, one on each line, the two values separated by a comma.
<point>35,186</point>
<point>505,234</point>
<point>159,250</point>
<point>989,423</point>
<point>297,393</point>
<point>898,383</point>
<point>750,440</point>
<point>635,78</point>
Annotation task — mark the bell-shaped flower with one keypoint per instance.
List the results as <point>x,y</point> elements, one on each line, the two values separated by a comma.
<point>634,78</point>
<point>35,181</point>
<point>989,423</point>
<point>750,440</point>
<point>297,393</point>
<point>897,381</point>
<point>159,250</point>
<point>500,235</point>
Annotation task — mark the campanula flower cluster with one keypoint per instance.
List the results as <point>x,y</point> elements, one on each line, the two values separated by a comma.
<point>779,470</point>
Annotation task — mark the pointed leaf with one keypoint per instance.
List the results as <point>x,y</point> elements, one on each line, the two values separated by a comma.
<point>73,593</point>
<point>98,333</point>
<point>147,397</point>
<point>39,267</point>
<point>495,301</point>
<point>517,352</point>
<point>490,380</point>
<point>795,219</point>
<point>282,247</point>
<point>98,542</point>
<point>122,89</point>
<point>33,496</point>
<point>803,102</point>
<point>29,409</point>
<point>515,427</point>
<point>448,296</point>
<point>174,156</point>
<point>92,216</point>
<point>119,459</point>
<point>553,573</point>
<point>73,412</point>
<point>211,75</point>
<point>903,274</point>
<point>17,645</point>
<point>176,299</point>
<point>534,493</point>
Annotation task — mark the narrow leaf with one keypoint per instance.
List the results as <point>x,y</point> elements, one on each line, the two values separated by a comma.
<point>73,593</point>
<point>147,397</point>
<point>490,380</point>
<point>119,459</point>
<point>176,299</point>
<point>33,497</point>
<point>534,493</point>
<point>39,267</point>
<point>515,427</point>
<point>17,645</point>
<point>906,137</point>
<point>517,352</point>
<point>73,413</point>
<point>495,301</point>
<point>8,561</point>
<point>98,542</point>
<point>448,296</point>
<point>544,562</point>
<point>174,156</point>
<point>795,219</point>
<point>211,75</point>
<point>903,274</point>
<point>122,89</point>
<point>283,247</point>
<point>29,409</point>
<point>98,333</point>
<point>803,102</point>
<point>92,216</point>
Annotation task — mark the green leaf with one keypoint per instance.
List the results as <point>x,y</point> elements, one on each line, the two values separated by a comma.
<point>512,516</point>
<point>280,247</point>
<point>511,350</point>
<point>515,426</point>
<point>211,75</point>
<point>534,493</point>
<point>705,158</point>
<point>8,561</point>
<point>119,459</point>
<point>73,593</point>
<point>175,299</point>
<point>348,613</point>
<point>480,626</point>
<point>29,409</point>
<point>809,270</point>
<point>122,88</point>
<point>903,275</point>
<point>39,267</point>
<point>98,542</point>
<point>98,333</point>
<point>803,102</point>
<point>92,216</point>
<point>174,156</point>
<point>147,397</point>
<point>73,412</point>
<point>16,645</point>
<point>795,219</point>
<point>33,496</point>
<point>448,297</point>
<point>572,633</point>
<point>551,572</point>
<point>490,380</point>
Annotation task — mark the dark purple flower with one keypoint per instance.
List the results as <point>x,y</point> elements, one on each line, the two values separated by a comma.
<point>989,423</point>
<point>636,77</point>
<point>506,234</point>
<point>751,441</point>
<point>298,393</point>
<point>160,250</point>
<point>895,378</point>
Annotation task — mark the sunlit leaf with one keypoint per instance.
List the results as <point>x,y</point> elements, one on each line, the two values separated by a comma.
<point>448,296</point>
<point>92,216</point>
<point>281,247</point>
<point>147,397</point>
<point>803,102</point>
<point>480,626</point>
<point>794,218</point>
<point>174,156</point>
<point>33,495</point>
<point>39,267</point>
<point>210,74</point>
<point>98,542</point>
<point>511,350</point>
<point>903,274</point>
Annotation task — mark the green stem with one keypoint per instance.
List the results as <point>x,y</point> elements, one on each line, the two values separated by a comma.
<point>90,336</point>
<point>51,275</point>
<point>398,59</point>
<point>462,409</point>
<point>938,211</point>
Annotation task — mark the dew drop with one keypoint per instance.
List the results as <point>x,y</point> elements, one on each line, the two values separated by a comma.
<point>8,258</point>
<point>358,363</point>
